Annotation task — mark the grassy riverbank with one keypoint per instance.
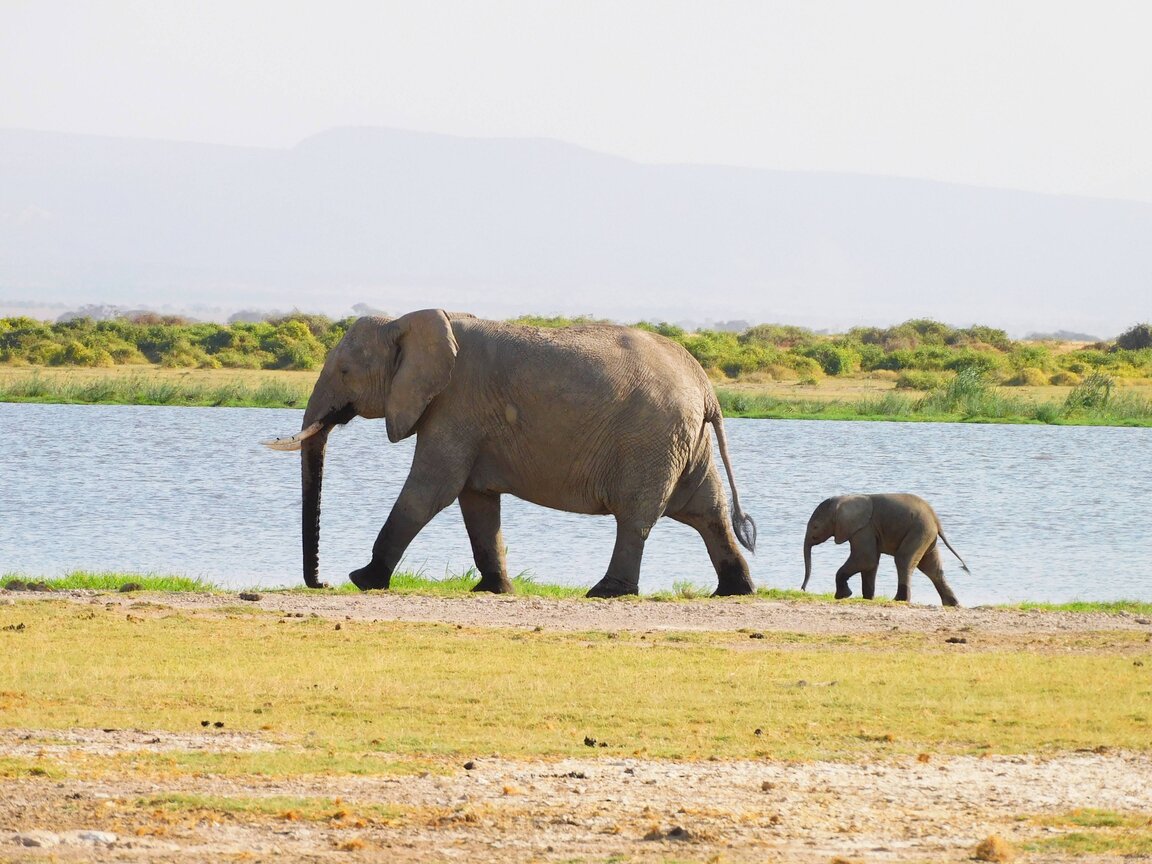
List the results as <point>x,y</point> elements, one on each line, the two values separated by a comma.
<point>460,585</point>
<point>960,399</point>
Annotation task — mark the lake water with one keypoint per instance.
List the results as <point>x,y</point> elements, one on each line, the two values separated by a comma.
<point>1039,513</point>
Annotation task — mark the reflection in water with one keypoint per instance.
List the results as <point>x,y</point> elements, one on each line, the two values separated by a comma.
<point>1040,513</point>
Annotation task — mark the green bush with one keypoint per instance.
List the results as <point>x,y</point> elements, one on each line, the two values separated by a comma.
<point>833,360</point>
<point>1066,378</point>
<point>921,379</point>
<point>778,335</point>
<point>1028,377</point>
<point>1135,338</point>
<point>1093,394</point>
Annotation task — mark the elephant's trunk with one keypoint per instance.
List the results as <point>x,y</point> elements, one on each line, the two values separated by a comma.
<point>807,562</point>
<point>311,482</point>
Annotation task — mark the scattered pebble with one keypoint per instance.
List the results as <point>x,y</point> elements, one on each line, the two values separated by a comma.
<point>251,596</point>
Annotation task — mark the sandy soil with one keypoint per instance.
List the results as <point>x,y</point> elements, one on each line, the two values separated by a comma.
<point>908,809</point>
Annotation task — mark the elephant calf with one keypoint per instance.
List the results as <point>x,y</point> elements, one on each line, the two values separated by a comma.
<point>897,524</point>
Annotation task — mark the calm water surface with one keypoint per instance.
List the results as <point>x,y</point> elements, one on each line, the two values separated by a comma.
<point>1039,513</point>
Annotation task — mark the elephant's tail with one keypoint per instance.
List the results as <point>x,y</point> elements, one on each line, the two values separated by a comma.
<point>940,534</point>
<point>742,523</point>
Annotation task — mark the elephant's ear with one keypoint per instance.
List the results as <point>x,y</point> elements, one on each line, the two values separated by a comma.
<point>425,354</point>
<point>851,514</point>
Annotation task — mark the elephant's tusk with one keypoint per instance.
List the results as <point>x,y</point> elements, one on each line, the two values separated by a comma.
<point>294,442</point>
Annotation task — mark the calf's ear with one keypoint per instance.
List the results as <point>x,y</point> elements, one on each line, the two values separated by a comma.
<point>852,513</point>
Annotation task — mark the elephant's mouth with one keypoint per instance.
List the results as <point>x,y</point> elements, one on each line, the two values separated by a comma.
<point>338,417</point>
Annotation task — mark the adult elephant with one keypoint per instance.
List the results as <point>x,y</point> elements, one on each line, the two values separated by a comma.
<point>597,419</point>
<point>898,524</point>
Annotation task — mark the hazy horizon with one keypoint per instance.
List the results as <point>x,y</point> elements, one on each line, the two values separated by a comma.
<point>996,100</point>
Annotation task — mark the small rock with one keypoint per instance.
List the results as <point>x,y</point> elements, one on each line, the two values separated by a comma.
<point>41,839</point>
<point>102,838</point>
<point>1143,621</point>
<point>16,585</point>
<point>469,765</point>
<point>589,741</point>
<point>131,586</point>
<point>251,596</point>
<point>338,626</point>
<point>956,640</point>
<point>755,635</point>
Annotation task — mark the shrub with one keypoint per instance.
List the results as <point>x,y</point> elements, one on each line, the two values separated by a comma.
<point>1030,357</point>
<point>804,368</point>
<point>1093,394</point>
<point>1066,378</point>
<point>833,360</point>
<point>778,335</point>
<point>1135,337</point>
<point>293,346</point>
<point>921,379</point>
<point>986,362</point>
<point>1028,377</point>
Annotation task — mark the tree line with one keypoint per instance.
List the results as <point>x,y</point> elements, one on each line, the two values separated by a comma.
<point>920,353</point>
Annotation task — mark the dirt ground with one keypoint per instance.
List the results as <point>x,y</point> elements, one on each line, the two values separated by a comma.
<point>905,810</point>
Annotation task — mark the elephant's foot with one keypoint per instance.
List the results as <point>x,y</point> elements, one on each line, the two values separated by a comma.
<point>368,578</point>
<point>734,581</point>
<point>496,583</point>
<point>843,593</point>
<point>612,588</point>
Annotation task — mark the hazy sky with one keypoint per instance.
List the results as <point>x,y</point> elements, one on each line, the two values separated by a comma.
<point>1034,94</point>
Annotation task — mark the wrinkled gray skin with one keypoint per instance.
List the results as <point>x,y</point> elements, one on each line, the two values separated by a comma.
<point>599,420</point>
<point>901,525</point>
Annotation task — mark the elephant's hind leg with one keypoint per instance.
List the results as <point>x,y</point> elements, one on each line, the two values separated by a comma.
<point>481,512</point>
<point>623,576</point>
<point>907,560</point>
<point>707,512</point>
<point>932,567</point>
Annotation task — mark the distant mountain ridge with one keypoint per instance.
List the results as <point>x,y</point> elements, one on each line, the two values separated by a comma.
<point>403,220</point>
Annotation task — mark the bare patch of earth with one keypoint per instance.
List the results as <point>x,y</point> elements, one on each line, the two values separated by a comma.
<point>642,615</point>
<point>902,810</point>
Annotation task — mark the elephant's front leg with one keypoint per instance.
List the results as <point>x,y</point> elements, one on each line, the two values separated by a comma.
<point>623,576</point>
<point>847,570</point>
<point>481,512</point>
<point>864,559</point>
<point>425,494</point>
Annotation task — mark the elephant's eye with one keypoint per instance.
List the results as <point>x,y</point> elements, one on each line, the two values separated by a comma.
<point>343,370</point>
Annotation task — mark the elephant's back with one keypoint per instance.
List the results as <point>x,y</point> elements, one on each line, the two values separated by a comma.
<point>602,359</point>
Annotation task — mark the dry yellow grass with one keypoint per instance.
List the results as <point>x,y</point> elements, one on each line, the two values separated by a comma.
<point>412,689</point>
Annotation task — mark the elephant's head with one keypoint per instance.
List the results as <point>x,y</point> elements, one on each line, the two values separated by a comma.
<point>838,517</point>
<point>381,368</point>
